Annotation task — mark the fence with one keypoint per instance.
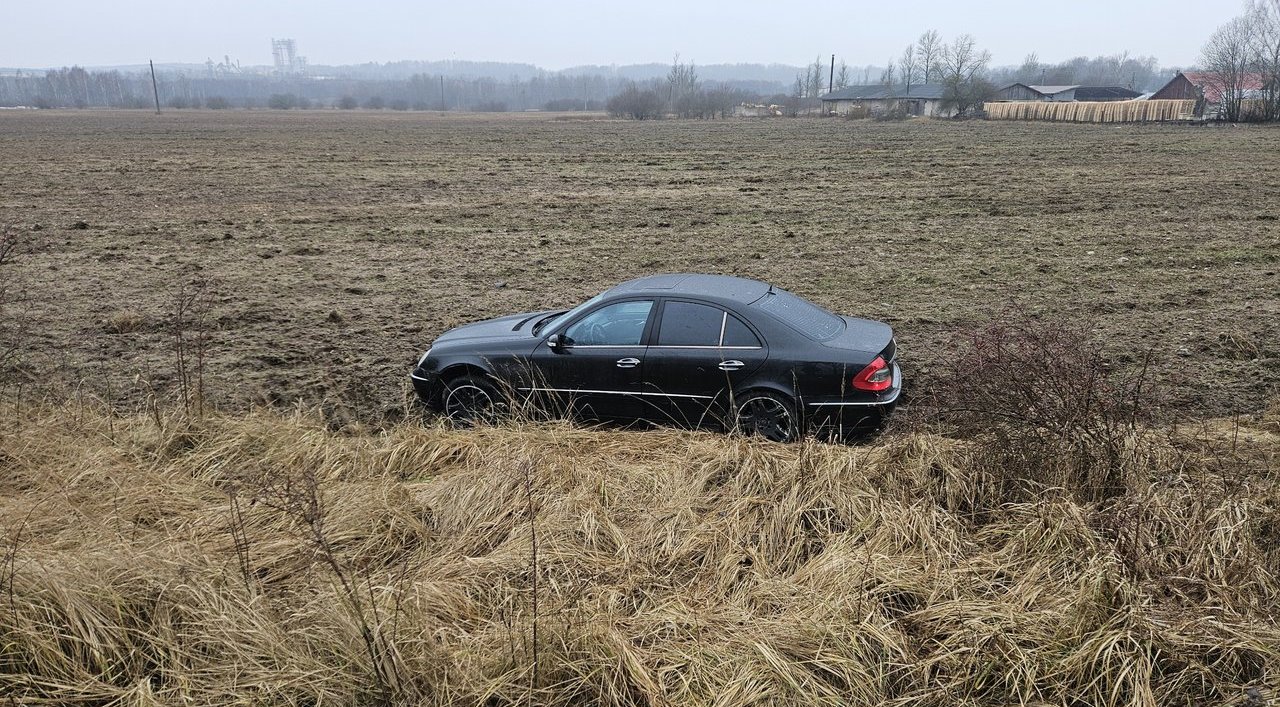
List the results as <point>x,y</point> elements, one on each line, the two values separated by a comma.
<point>1093,111</point>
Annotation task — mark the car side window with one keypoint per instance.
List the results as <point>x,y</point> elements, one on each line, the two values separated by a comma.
<point>737,334</point>
<point>617,324</point>
<point>689,324</point>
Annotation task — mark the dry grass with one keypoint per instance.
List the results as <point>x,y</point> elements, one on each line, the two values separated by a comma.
<point>265,559</point>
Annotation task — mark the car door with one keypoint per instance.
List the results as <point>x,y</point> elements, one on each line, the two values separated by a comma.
<point>595,371</point>
<point>699,353</point>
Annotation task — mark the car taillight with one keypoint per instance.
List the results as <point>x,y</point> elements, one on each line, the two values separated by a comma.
<point>877,376</point>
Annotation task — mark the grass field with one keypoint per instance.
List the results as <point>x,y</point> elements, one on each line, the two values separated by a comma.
<point>297,543</point>
<point>336,245</point>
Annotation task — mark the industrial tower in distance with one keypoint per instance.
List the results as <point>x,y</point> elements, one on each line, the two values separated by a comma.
<point>284,53</point>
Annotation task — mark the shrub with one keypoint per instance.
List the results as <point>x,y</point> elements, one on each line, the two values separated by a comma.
<point>348,103</point>
<point>375,103</point>
<point>282,101</point>
<point>398,104</point>
<point>636,103</point>
<point>217,103</point>
<point>1049,409</point>
<point>12,319</point>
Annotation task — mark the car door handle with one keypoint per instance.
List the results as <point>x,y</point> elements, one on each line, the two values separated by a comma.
<point>731,365</point>
<point>628,362</point>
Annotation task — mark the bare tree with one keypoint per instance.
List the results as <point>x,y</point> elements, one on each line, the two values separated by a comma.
<point>961,65</point>
<point>909,67</point>
<point>929,50</point>
<point>1264,19</point>
<point>1227,58</point>
<point>1031,71</point>
<point>817,73</point>
<point>887,76</point>
<point>682,80</point>
<point>842,76</point>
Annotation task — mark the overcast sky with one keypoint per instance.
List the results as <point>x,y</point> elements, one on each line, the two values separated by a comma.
<point>559,34</point>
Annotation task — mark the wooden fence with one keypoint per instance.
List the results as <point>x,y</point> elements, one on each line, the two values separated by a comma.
<point>1093,111</point>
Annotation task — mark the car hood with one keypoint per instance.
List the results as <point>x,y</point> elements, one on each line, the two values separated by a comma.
<point>512,326</point>
<point>864,335</point>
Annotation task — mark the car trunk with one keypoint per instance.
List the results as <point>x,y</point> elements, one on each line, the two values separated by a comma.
<point>865,336</point>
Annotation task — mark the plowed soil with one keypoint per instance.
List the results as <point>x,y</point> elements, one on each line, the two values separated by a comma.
<point>335,245</point>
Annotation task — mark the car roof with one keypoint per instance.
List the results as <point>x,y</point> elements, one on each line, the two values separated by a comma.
<point>737,289</point>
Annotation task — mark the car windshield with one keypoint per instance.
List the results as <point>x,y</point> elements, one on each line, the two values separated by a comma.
<point>803,316</point>
<point>560,320</point>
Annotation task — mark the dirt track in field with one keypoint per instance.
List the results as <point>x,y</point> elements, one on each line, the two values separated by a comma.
<point>336,245</point>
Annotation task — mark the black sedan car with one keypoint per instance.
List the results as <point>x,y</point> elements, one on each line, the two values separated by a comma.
<point>688,349</point>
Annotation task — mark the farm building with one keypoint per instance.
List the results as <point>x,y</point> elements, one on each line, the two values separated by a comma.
<point>923,100</point>
<point>1206,89</point>
<point>1025,92</point>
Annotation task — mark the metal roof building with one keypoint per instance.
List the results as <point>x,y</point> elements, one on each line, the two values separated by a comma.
<point>1073,92</point>
<point>923,99</point>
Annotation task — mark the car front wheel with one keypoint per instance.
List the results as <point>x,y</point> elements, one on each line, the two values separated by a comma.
<point>470,400</point>
<point>767,415</point>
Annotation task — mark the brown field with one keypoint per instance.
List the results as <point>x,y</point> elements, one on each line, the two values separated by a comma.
<point>336,245</point>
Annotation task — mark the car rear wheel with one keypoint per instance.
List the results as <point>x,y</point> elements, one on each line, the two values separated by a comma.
<point>469,400</point>
<point>767,415</point>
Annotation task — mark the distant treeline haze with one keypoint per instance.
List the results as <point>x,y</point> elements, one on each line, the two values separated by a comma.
<point>681,90</point>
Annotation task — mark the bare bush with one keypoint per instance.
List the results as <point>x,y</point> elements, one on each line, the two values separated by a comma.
<point>12,324</point>
<point>635,103</point>
<point>189,326</point>
<point>1053,411</point>
<point>300,498</point>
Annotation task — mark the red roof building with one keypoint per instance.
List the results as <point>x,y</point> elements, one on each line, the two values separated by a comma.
<point>1197,85</point>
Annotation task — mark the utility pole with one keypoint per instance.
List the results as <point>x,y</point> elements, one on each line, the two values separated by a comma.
<point>442,104</point>
<point>831,78</point>
<point>155,90</point>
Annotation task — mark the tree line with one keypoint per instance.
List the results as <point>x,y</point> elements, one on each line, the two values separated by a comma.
<point>77,87</point>
<point>1246,46</point>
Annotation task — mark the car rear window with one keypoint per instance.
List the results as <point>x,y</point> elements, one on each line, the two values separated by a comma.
<point>689,324</point>
<point>803,316</point>
<point>736,334</point>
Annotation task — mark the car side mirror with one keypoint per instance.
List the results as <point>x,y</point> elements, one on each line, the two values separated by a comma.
<point>557,341</point>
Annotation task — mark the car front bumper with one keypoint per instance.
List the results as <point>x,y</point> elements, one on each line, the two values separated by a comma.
<point>427,385</point>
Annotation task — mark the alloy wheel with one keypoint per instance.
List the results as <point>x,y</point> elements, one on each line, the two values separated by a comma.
<point>767,417</point>
<point>469,403</point>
